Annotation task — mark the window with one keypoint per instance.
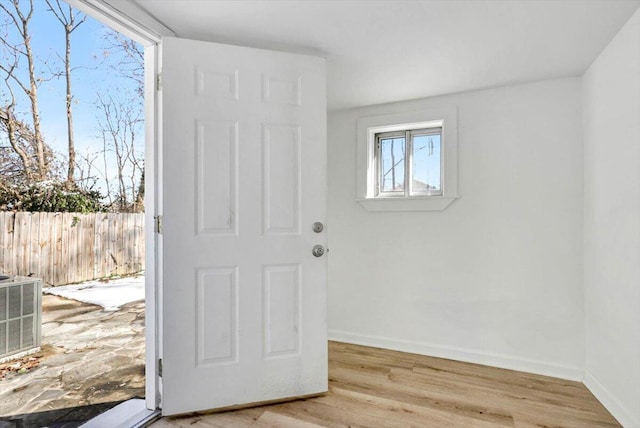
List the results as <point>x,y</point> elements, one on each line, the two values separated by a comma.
<point>408,161</point>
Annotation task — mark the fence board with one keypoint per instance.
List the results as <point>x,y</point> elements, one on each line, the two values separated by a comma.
<point>3,249</point>
<point>87,246</point>
<point>111,244</point>
<point>62,245</point>
<point>21,242</point>
<point>63,248</point>
<point>100,261</point>
<point>34,242</point>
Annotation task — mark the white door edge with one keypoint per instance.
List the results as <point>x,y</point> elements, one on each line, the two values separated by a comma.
<point>153,240</point>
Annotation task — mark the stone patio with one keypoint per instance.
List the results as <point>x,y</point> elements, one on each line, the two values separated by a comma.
<point>88,356</point>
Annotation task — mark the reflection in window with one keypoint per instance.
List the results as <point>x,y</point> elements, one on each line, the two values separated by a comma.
<point>392,152</point>
<point>413,156</point>
<point>426,164</point>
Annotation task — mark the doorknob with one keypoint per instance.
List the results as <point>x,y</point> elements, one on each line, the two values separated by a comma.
<point>318,250</point>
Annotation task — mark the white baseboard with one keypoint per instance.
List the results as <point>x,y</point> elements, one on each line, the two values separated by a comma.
<point>609,401</point>
<point>462,354</point>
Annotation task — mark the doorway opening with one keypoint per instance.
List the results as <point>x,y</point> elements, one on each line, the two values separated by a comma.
<point>73,215</point>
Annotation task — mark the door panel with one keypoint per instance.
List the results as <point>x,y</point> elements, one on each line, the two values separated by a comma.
<point>281,179</point>
<point>281,326</point>
<point>217,316</point>
<point>216,176</point>
<point>243,139</point>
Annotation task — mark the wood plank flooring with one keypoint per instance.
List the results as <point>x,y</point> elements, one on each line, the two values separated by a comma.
<point>370,387</point>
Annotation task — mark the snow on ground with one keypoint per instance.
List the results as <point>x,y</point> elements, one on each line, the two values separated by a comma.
<point>109,294</point>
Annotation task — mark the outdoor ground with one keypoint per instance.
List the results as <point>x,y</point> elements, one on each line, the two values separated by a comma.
<point>88,356</point>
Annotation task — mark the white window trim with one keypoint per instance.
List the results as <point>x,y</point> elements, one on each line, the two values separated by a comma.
<point>368,127</point>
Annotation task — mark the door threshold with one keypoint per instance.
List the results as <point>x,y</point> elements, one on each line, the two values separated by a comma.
<point>129,414</point>
<point>249,405</point>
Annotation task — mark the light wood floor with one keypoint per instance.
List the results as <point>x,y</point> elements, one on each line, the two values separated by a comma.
<point>371,387</point>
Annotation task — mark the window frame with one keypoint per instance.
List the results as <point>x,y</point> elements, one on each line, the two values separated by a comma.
<point>408,135</point>
<point>367,169</point>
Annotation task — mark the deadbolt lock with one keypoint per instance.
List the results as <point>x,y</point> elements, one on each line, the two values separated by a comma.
<point>317,227</point>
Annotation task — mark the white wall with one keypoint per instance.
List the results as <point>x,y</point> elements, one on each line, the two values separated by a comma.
<point>496,278</point>
<point>612,224</point>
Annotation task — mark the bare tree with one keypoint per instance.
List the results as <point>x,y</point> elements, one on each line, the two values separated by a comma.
<point>17,166</point>
<point>87,173</point>
<point>120,122</point>
<point>25,158</point>
<point>19,20</point>
<point>17,133</point>
<point>19,158</point>
<point>70,21</point>
<point>130,63</point>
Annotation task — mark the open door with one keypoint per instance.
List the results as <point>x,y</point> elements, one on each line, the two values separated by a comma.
<point>243,176</point>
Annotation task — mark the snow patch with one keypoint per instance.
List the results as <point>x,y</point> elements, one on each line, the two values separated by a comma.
<point>111,294</point>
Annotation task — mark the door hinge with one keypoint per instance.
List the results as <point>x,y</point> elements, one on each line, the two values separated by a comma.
<point>158,219</point>
<point>160,367</point>
<point>159,82</point>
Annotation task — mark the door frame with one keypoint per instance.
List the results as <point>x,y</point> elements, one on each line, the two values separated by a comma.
<point>134,22</point>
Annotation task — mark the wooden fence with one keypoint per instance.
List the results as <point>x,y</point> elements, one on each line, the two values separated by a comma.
<point>63,248</point>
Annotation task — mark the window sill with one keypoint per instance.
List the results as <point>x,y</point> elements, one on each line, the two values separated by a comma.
<point>416,203</point>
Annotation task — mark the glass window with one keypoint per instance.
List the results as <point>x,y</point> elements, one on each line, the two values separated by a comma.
<point>392,164</point>
<point>426,161</point>
<point>413,156</point>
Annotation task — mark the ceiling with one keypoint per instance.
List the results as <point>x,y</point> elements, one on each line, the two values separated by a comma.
<point>384,51</point>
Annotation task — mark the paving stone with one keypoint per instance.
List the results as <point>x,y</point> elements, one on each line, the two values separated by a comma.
<point>62,359</point>
<point>50,395</point>
<point>89,356</point>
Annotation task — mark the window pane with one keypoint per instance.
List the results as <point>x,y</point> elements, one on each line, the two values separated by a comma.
<point>392,154</point>
<point>426,164</point>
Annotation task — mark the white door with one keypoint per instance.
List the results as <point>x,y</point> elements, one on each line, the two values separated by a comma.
<point>243,147</point>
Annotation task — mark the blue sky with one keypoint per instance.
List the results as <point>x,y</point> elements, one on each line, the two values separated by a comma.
<point>88,79</point>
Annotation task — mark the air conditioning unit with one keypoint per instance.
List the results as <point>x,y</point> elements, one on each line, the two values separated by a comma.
<point>20,316</point>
